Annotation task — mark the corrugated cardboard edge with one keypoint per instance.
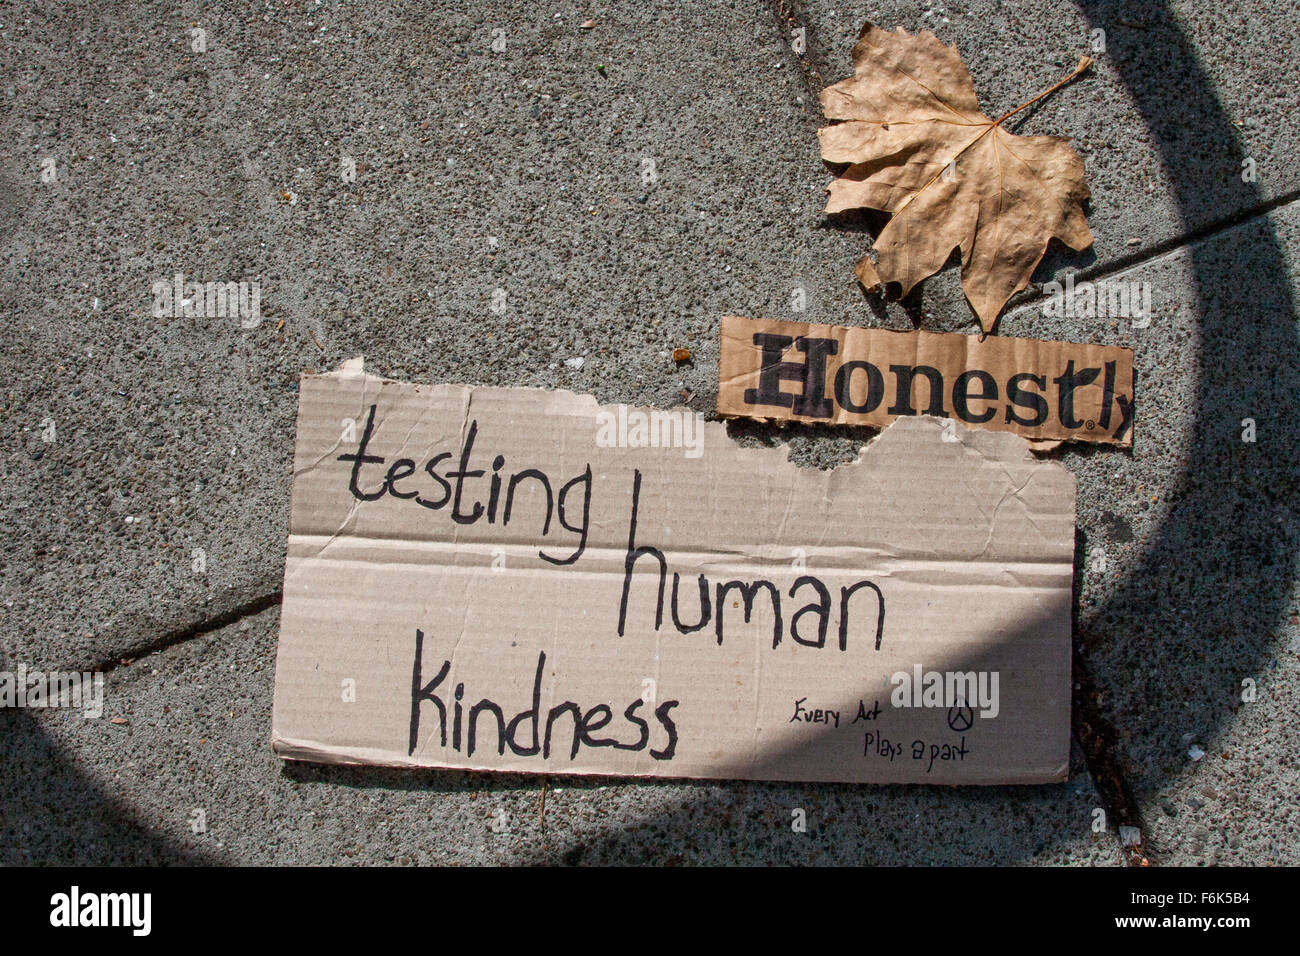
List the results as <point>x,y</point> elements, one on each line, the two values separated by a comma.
<point>1039,448</point>
<point>287,748</point>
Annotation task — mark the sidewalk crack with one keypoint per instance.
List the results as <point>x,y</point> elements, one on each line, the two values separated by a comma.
<point>191,630</point>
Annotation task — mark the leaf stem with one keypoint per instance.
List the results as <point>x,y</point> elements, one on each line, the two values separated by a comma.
<point>1084,63</point>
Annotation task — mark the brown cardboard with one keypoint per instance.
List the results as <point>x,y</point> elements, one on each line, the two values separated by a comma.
<point>965,543</point>
<point>1045,391</point>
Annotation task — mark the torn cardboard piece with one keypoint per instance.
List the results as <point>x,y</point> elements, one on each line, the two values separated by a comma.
<point>866,272</point>
<point>1044,391</point>
<point>525,580</point>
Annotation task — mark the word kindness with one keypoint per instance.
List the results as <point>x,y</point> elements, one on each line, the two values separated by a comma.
<point>530,731</point>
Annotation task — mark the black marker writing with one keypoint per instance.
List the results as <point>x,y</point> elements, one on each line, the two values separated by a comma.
<point>539,726</point>
<point>751,594</point>
<point>457,487</point>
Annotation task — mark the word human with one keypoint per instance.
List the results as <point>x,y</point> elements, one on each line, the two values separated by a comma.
<point>713,601</point>
<point>537,723</point>
<point>399,482</point>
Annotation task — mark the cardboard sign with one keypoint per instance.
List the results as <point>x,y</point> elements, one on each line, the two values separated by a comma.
<point>1044,391</point>
<point>524,580</point>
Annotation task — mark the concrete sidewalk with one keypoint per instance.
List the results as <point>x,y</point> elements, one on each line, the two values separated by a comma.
<point>613,191</point>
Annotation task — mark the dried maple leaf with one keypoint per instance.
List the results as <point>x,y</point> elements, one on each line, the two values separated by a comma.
<point>920,149</point>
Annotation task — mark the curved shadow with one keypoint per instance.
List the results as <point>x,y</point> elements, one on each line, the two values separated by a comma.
<point>1216,574</point>
<point>57,815</point>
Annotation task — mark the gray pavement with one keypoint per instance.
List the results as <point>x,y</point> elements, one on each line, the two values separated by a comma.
<point>623,187</point>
